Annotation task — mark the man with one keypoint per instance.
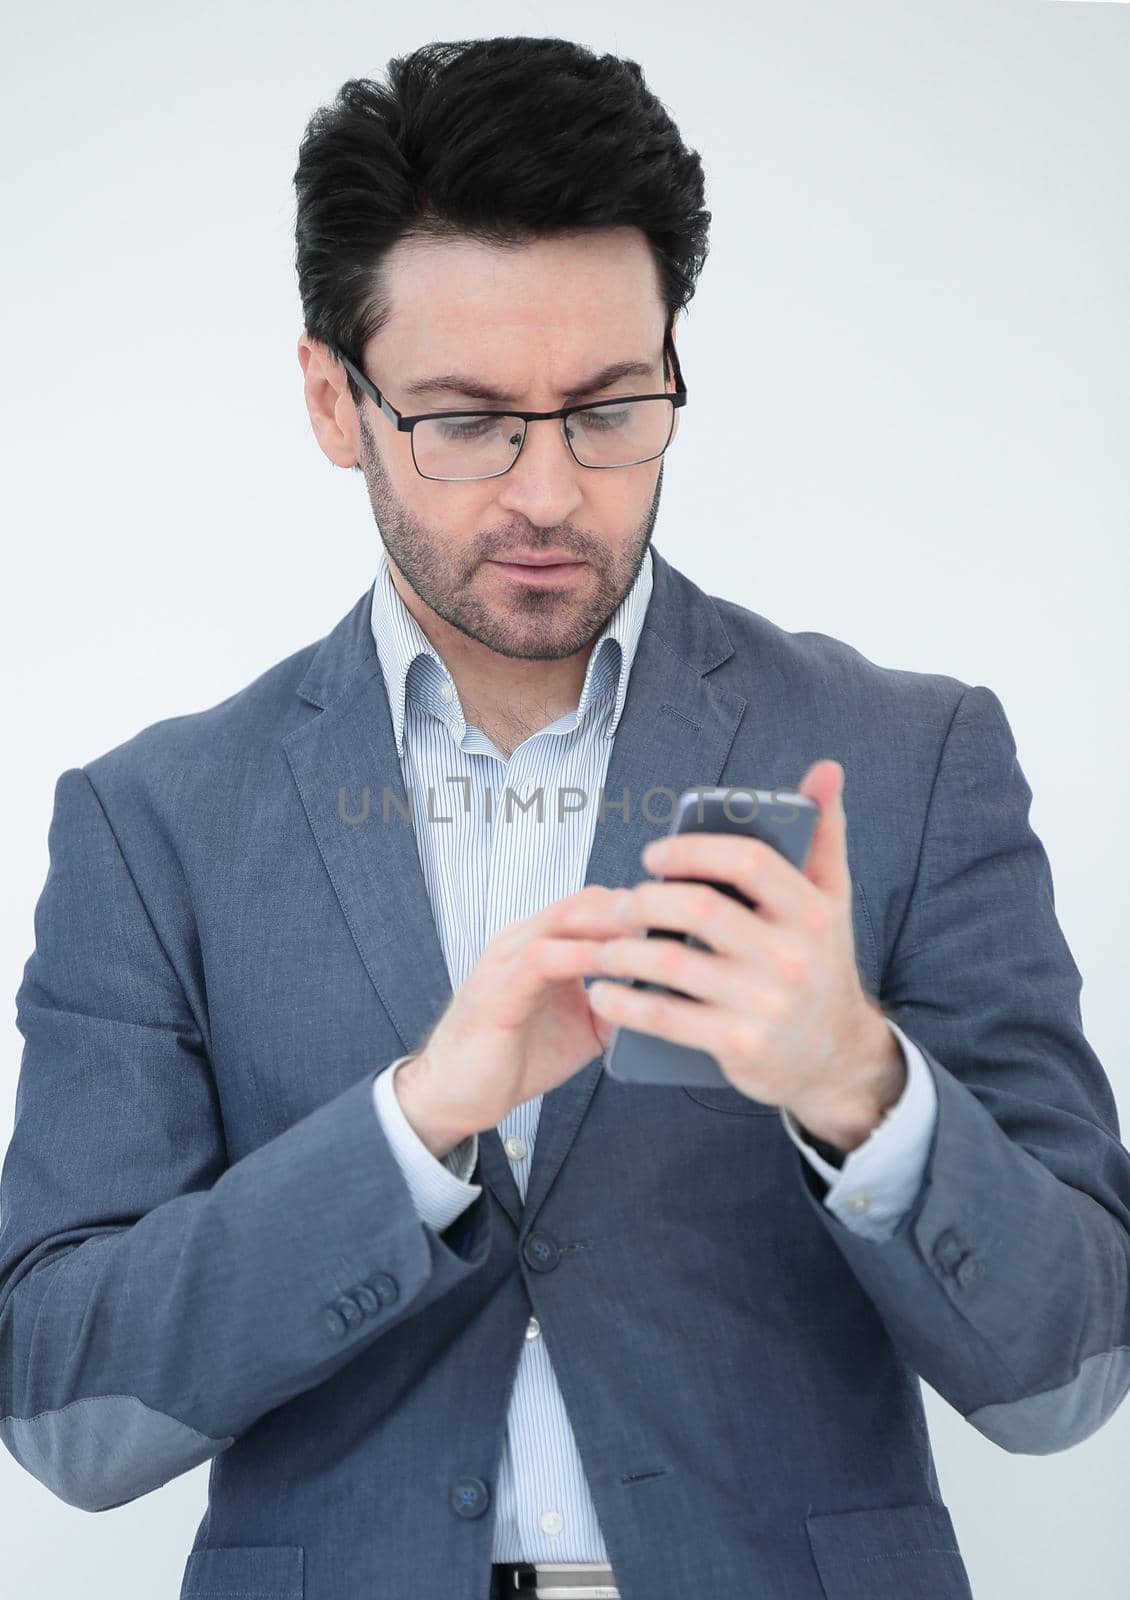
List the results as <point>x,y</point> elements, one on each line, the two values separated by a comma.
<point>316,1171</point>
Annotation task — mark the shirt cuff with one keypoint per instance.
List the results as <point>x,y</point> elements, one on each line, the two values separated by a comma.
<point>441,1189</point>
<point>880,1179</point>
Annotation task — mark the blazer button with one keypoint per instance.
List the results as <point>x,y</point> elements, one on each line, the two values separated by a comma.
<point>541,1253</point>
<point>386,1287</point>
<point>948,1250</point>
<point>470,1497</point>
<point>366,1298</point>
<point>333,1321</point>
<point>968,1270</point>
<point>349,1310</point>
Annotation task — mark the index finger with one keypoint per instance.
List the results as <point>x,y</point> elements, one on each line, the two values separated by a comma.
<point>754,867</point>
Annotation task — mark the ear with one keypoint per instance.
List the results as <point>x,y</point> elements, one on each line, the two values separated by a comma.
<point>333,416</point>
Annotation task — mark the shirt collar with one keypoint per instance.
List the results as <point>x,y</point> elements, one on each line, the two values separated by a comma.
<point>401,644</point>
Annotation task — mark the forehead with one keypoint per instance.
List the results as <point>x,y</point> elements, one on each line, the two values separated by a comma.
<point>559,298</point>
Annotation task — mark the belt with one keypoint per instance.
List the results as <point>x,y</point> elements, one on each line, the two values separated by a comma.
<point>556,1580</point>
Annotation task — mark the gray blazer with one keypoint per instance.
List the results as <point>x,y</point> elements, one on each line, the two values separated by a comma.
<point>198,1182</point>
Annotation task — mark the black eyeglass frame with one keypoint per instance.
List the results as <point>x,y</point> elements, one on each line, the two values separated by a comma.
<point>677,397</point>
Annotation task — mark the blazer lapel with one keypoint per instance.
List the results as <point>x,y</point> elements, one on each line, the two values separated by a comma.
<point>675,732</point>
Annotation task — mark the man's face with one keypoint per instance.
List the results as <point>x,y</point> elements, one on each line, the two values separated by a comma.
<point>533,323</point>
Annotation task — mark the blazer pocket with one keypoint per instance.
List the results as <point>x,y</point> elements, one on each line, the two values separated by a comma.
<point>732,1100</point>
<point>244,1572</point>
<point>889,1553</point>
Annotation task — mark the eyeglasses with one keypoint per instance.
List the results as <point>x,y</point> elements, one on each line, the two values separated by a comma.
<point>464,446</point>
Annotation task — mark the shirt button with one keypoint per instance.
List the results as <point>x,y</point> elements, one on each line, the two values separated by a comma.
<point>445,692</point>
<point>533,1328</point>
<point>515,1148</point>
<point>859,1201</point>
<point>551,1521</point>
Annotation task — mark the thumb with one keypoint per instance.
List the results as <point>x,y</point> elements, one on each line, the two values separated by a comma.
<point>601,1027</point>
<point>827,864</point>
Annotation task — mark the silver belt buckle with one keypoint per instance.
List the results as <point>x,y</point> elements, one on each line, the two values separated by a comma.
<point>574,1580</point>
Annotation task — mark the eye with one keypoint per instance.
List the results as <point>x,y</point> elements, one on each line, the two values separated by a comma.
<point>601,421</point>
<point>468,427</point>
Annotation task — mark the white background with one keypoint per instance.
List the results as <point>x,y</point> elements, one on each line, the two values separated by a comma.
<point>909,374</point>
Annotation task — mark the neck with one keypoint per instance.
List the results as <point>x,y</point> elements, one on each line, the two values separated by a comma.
<point>515,697</point>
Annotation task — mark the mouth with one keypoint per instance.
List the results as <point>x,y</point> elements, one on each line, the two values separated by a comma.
<point>539,571</point>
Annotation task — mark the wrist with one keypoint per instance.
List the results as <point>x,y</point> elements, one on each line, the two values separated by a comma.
<point>411,1085</point>
<point>848,1118</point>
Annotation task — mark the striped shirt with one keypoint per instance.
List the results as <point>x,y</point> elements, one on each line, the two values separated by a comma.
<point>490,858</point>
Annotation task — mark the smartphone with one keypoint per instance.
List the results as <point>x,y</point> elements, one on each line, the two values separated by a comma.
<point>780,817</point>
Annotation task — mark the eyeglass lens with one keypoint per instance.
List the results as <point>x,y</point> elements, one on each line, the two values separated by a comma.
<point>483,446</point>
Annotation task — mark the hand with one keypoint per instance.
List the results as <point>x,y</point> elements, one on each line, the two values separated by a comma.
<point>520,1022</point>
<point>777,998</point>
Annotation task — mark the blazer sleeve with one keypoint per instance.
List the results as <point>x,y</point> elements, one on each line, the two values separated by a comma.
<point>155,1298</point>
<point>1005,1285</point>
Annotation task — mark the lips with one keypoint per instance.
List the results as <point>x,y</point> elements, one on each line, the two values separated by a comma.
<point>541,574</point>
<point>539,561</point>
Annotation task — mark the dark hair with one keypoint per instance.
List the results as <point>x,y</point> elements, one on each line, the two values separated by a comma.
<point>501,140</point>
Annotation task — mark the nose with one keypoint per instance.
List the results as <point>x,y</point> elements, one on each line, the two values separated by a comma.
<point>544,483</point>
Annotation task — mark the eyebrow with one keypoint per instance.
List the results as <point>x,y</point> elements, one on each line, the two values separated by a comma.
<point>459,383</point>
